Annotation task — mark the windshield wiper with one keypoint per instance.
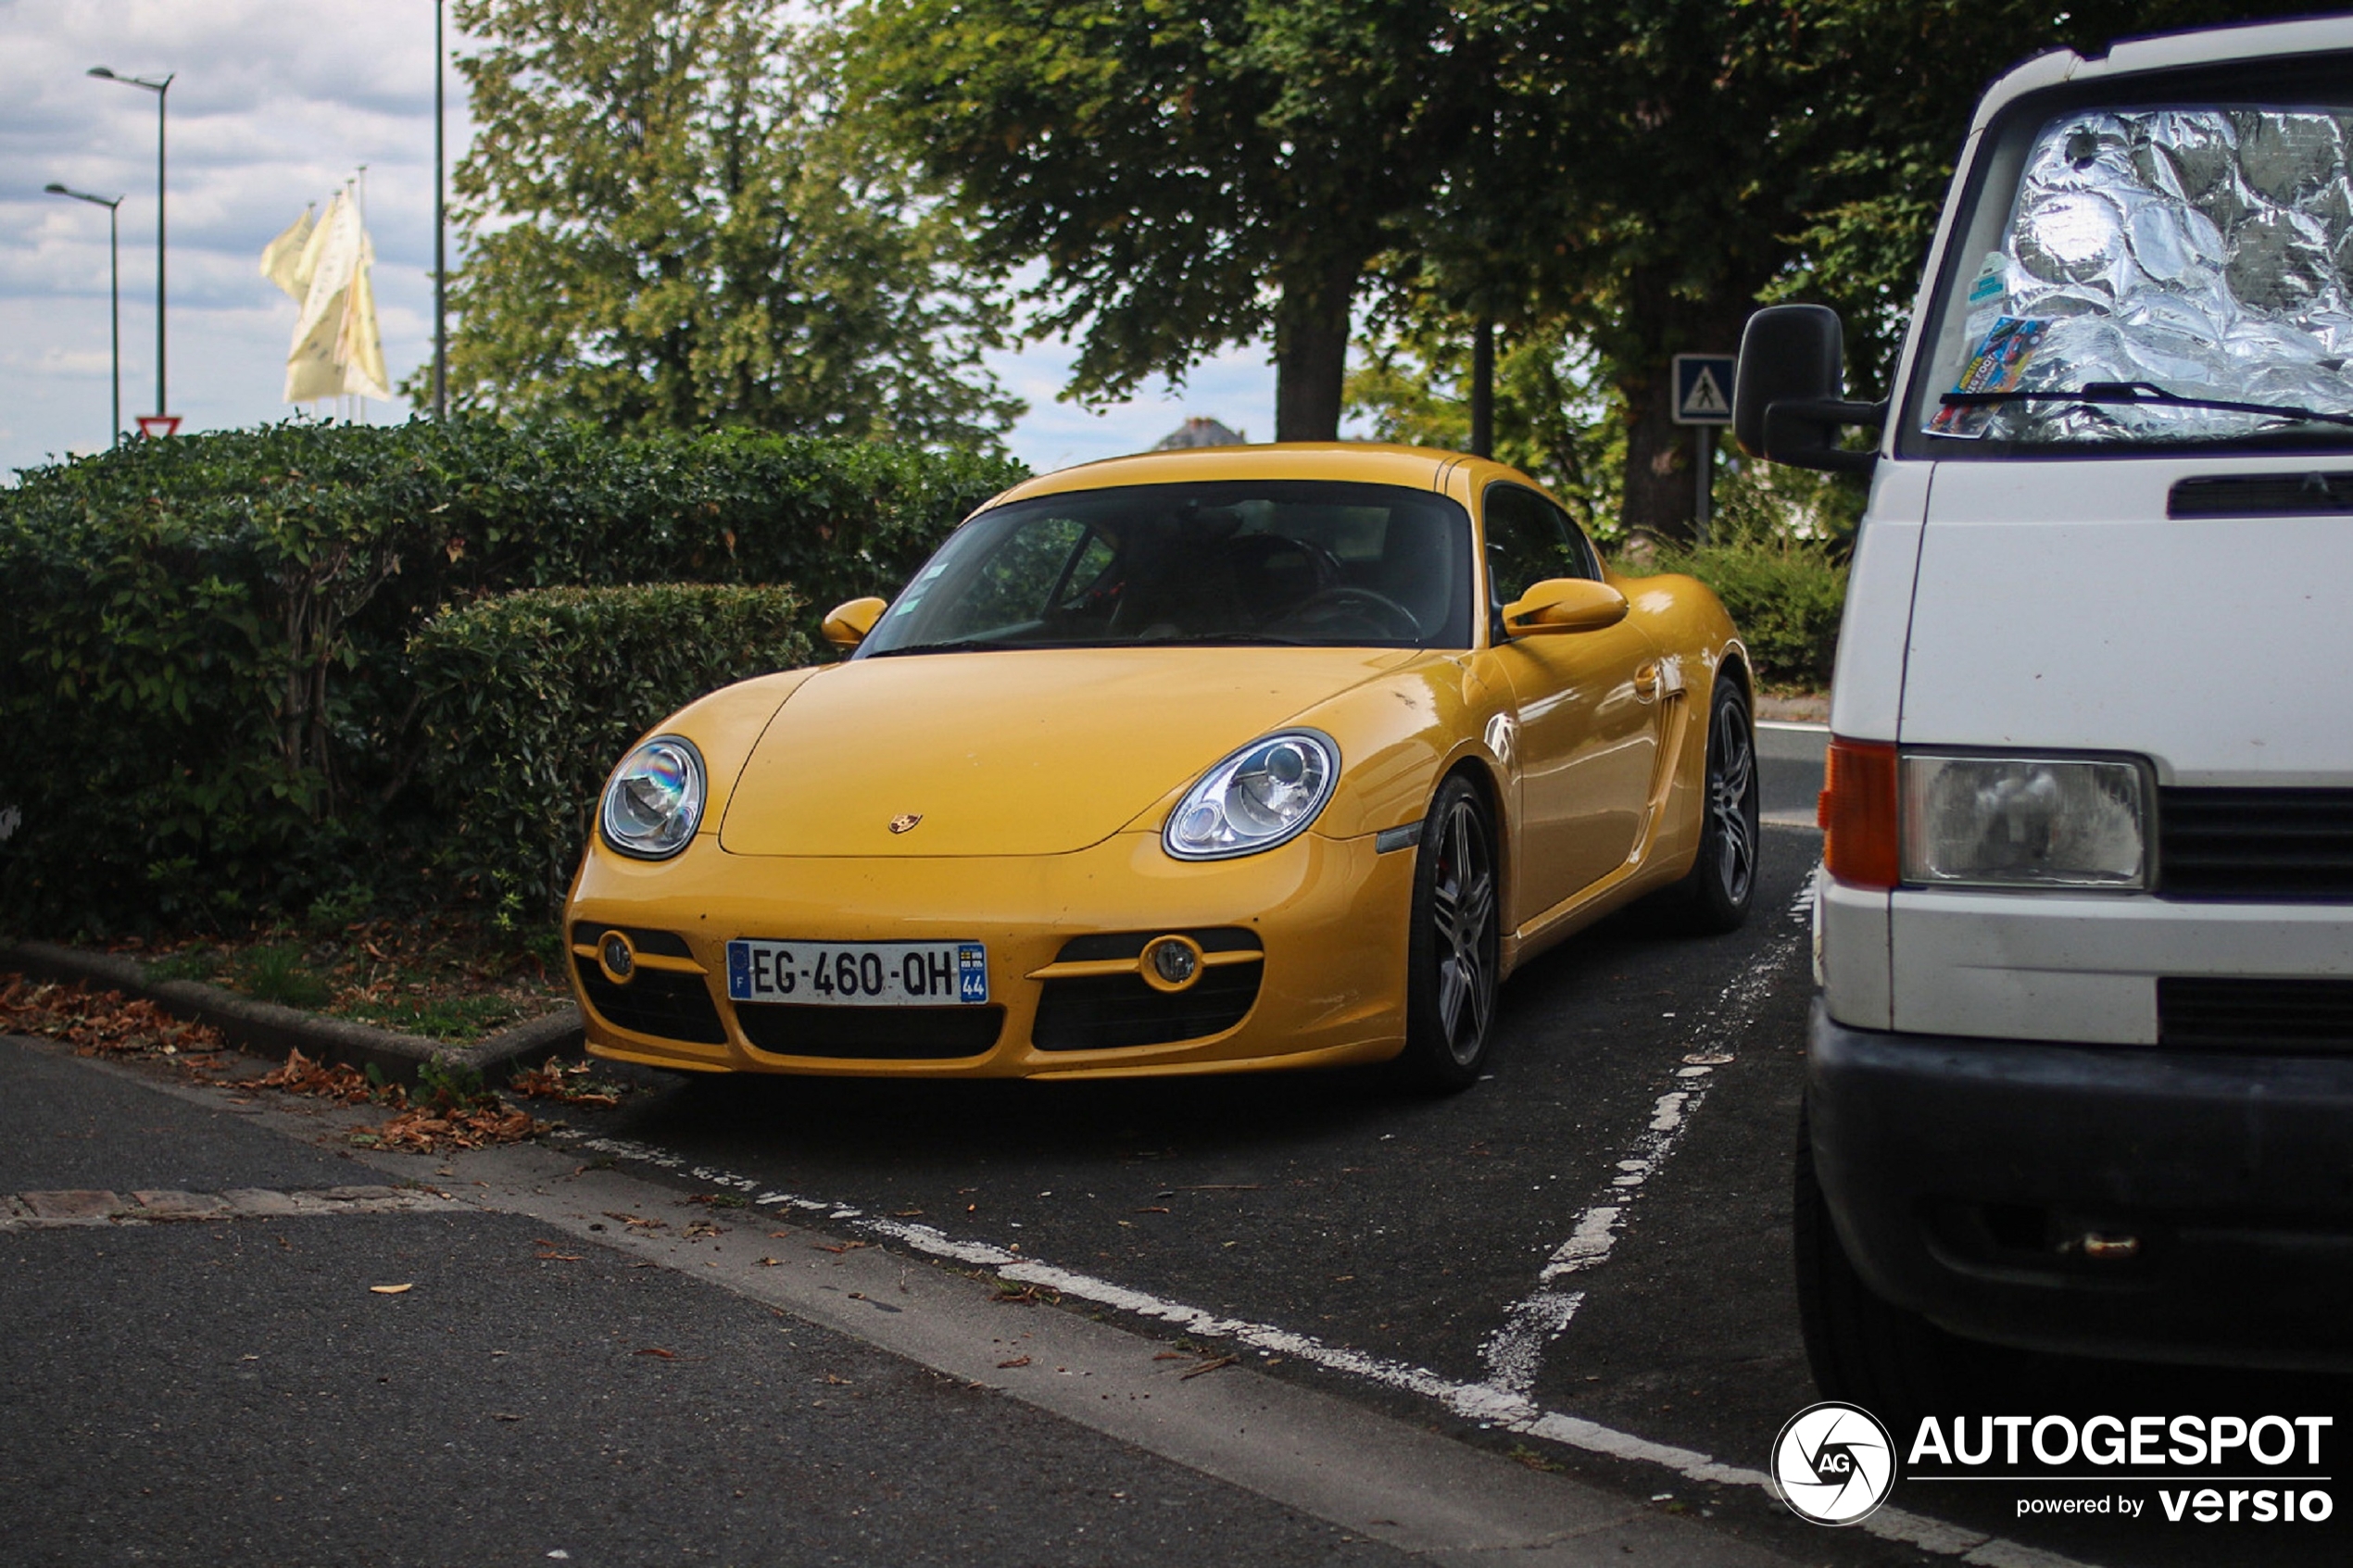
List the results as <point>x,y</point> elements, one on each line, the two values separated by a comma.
<point>2099,391</point>
<point>962,645</point>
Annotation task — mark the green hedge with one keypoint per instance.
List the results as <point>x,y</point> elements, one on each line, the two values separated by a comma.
<point>530,698</point>
<point>1784,595</point>
<point>204,687</point>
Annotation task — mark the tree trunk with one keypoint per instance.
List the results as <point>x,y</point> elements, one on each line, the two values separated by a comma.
<point>1311,351</point>
<point>1482,389</point>
<point>1661,488</point>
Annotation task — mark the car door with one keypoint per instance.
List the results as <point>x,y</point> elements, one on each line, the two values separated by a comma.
<point>1586,703</point>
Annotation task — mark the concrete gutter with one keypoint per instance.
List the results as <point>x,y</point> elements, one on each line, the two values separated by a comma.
<point>267,1029</point>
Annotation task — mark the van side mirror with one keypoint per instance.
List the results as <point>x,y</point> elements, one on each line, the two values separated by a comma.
<point>1787,394</point>
<point>849,623</point>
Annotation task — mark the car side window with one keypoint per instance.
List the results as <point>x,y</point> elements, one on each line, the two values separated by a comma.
<point>1529,539</point>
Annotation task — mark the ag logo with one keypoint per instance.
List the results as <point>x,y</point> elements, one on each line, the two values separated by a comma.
<point>1834,1462</point>
<point>905,821</point>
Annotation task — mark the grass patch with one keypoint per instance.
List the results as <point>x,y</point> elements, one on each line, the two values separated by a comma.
<point>453,976</point>
<point>281,972</point>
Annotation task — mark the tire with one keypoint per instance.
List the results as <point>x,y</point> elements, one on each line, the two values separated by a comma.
<point>1714,895</point>
<point>1454,946</point>
<point>1866,1351</point>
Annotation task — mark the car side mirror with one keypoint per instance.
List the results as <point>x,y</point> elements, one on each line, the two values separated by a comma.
<point>1788,399</point>
<point>850,624</point>
<point>1565,604</point>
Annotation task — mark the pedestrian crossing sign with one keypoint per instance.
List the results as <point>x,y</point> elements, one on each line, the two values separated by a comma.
<point>1704,389</point>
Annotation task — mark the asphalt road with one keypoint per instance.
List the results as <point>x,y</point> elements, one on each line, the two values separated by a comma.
<point>1598,1231</point>
<point>1417,1232</point>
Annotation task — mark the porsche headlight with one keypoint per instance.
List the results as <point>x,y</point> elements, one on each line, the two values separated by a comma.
<point>1262,795</point>
<point>654,800</point>
<point>2024,822</point>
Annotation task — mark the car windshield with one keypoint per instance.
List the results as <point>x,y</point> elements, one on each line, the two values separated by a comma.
<point>1261,561</point>
<point>2159,274</point>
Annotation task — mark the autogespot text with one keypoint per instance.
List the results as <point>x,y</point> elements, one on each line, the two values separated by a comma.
<point>2199,1469</point>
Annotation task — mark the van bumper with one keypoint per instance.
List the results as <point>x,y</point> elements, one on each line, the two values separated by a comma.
<point>2112,1200</point>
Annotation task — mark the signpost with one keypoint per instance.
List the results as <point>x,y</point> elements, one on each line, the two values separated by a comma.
<point>1703,400</point>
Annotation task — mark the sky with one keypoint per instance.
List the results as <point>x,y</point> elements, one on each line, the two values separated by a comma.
<point>274,105</point>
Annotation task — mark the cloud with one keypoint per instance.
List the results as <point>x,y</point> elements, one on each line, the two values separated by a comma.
<point>274,105</point>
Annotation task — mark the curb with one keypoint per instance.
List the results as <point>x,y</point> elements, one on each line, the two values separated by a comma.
<point>267,1029</point>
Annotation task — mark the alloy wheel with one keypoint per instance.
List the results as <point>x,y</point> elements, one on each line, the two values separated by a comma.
<point>1463,915</point>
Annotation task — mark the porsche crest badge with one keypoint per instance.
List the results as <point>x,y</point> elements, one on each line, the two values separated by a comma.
<point>904,820</point>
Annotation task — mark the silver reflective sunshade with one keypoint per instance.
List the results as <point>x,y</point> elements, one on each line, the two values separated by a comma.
<point>2204,251</point>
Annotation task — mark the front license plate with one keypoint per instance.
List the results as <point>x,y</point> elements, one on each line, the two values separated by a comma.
<point>859,974</point>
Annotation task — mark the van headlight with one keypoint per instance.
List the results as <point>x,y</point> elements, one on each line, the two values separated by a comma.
<point>653,801</point>
<point>1262,795</point>
<point>2024,822</point>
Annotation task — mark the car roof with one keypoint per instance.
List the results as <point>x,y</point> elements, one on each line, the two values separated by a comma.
<point>1365,462</point>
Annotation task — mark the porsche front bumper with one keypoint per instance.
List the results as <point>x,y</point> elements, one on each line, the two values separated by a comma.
<point>1327,915</point>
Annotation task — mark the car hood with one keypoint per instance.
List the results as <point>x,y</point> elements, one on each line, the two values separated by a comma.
<point>1021,752</point>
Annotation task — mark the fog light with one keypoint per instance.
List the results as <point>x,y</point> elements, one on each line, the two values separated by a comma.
<point>1171,963</point>
<point>616,957</point>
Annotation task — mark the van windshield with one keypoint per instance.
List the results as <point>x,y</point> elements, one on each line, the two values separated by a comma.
<point>2161,274</point>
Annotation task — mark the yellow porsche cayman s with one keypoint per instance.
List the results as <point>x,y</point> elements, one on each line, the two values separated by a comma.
<point>1199,762</point>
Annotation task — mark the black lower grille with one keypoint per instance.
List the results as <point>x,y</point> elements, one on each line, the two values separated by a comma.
<point>667,943</point>
<point>878,1034</point>
<point>1106,1011</point>
<point>656,1002</point>
<point>2283,845</point>
<point>2287,1017</point>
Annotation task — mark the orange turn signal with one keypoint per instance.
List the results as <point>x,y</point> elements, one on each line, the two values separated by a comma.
<point>1858,814</point>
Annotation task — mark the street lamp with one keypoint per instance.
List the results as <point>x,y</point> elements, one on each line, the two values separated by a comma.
<point>440,228</point>
<point>158,89</point>
<point>114,287</point>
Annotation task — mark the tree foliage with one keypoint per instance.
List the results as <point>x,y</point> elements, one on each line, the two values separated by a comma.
<point>1191,173</point>
<point>669,228</point>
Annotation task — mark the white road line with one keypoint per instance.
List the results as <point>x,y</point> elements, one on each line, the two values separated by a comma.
<point>1505,1407</point>
<point>1513,1354</point>
<point>1502,1401</point>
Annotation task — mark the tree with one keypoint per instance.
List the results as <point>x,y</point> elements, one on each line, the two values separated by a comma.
<point>1551,415</point>
<point>1650,171</point>
<point>669,228</point>
<point>1192,173</point>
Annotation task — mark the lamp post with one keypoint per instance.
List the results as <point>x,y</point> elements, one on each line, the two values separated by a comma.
<point>440,258</point>
<point>158,89</point>
<point>114,287</point>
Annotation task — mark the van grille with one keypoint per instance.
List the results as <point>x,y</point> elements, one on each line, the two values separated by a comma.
<point>2276,845</point>
<point>2239,1014</point>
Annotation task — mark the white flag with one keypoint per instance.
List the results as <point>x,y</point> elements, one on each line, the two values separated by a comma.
<point>282,258</point>
<point>336,348</point>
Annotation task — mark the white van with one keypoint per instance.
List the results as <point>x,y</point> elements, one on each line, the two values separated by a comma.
<point>2080,1071</point>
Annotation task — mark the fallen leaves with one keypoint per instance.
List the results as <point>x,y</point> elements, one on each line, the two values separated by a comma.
<point>1025,1294</point>
<point>1017,1360</point>
<point>427,1131</point>
<point>1206,1367</point>
<point>658,1351</point>
<point>98,1022</point>
<point>392,1290</point>
<point>566,1082</point>
<point>845,1247</point>
<point>340,1082</point>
